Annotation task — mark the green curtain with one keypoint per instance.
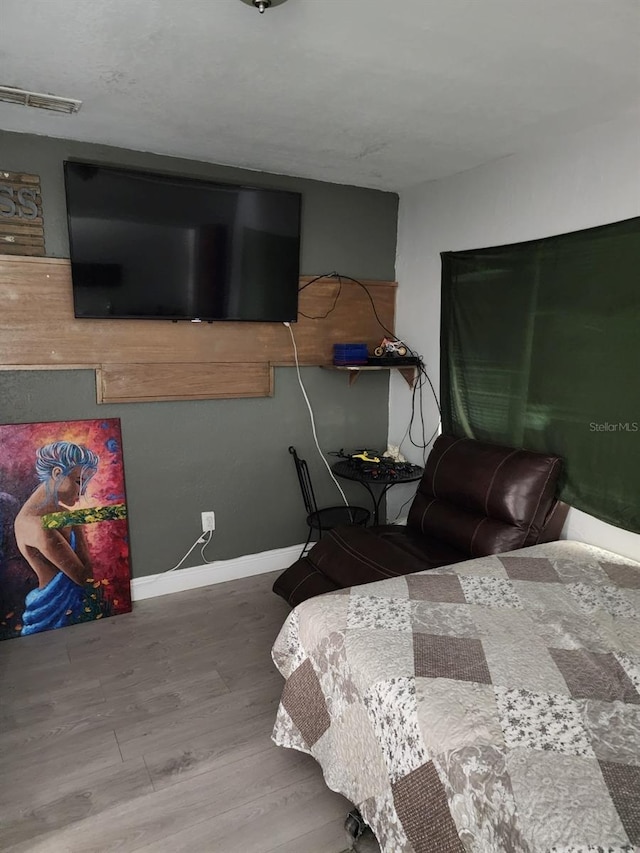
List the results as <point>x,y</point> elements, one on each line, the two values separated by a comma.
<point>540,348</point>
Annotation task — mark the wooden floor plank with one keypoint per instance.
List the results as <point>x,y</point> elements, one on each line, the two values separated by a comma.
<point>272,819</point>
<point>38,772</point>
<point>42,814</point>
<point>200,754</point>
<point>141,737</point>
<point>151,731</point>
<point>149,819</point>
<point>329,838</point>
<point>69,700</point>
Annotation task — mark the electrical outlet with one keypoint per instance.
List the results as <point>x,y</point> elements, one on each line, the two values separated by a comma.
<point>208,521</point>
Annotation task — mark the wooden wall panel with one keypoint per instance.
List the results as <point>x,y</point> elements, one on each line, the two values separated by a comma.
<point>128,383</point>
<point>38,329</point>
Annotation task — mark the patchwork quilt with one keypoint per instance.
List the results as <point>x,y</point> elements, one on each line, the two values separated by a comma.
<point>493,705</point>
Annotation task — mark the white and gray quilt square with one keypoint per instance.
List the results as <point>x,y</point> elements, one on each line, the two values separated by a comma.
<point>613,729</point>
<point>542,721</point>
<point>608,598</point>
<point>563,800</point>
<point>368,611</point>
<point>436,617</point>
<point>568,629</point>
<point>490,592</point>
<point>631,665</point>
<point>529,666</point>
<point>540,598</point>
<point>632,596</point>
<point>393,711</point>
<point>586,570</point>
<point>378,655</point>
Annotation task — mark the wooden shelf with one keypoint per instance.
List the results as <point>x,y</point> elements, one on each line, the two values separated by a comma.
<point>410,373</point>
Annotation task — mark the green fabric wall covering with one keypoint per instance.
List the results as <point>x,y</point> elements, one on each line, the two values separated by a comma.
<point>541,349</point>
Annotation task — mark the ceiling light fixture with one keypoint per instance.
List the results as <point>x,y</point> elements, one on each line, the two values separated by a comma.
<point>10,95</point>
<point>261,5</point>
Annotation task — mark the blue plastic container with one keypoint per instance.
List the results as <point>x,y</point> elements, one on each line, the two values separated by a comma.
<point>350,354</point>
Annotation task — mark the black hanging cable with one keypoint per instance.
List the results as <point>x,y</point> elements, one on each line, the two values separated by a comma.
<point>373,307</point>
<point>433,390</point>
<point>317,278</point>
<point>417,391</point>
<point>422,371</point>
<point>335,301</point>
<point>422,375</point>
<point>410,498</point>
<point>340,277</point>
<point>324,316</point>
<point>424,429</point>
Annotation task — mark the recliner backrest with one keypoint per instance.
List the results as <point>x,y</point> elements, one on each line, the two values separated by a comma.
<point>485,499</point>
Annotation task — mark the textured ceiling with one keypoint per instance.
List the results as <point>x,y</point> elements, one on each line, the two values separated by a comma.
<point>377,93</point>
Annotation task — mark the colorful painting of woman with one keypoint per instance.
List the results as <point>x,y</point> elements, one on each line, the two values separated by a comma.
<point>59,557</point>
<point>64,552</point>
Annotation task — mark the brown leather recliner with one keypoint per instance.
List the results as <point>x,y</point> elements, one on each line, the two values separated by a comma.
<point>474,499</point>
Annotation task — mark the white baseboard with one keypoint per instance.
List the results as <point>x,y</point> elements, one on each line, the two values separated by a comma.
<point>217,572</point>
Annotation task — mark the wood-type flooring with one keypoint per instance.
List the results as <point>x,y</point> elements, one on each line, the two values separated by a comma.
<point>151,731</point>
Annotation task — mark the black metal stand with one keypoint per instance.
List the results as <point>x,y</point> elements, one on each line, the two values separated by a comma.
<point>354,824</point>
<point>384,476</point>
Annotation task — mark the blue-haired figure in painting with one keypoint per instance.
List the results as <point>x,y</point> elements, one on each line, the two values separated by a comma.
<point>59,557</point>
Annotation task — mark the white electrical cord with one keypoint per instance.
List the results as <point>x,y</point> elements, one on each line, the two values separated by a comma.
<point>203,540</point>
<point>313,423</point>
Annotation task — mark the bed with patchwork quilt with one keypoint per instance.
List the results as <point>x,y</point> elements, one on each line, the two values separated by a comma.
<point>493,705</point>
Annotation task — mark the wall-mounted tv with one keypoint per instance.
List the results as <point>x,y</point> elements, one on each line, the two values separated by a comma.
<point>156,246</point>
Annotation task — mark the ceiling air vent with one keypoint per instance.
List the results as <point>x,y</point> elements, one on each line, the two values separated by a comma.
<point>39,100</point>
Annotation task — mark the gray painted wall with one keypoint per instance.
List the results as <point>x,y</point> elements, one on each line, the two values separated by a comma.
<point>226,455</point>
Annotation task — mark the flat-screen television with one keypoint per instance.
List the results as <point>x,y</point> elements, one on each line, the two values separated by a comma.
<point>156,246</point>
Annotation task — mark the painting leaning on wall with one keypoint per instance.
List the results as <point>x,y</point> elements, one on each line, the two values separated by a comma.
<point>64,544</point>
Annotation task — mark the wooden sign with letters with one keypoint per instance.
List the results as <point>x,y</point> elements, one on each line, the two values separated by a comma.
<point>21,223</point>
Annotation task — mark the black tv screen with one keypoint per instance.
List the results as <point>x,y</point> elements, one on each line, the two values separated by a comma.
<point>152,246</point>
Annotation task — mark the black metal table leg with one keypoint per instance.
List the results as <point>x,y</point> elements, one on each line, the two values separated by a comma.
<point>376,477</point>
